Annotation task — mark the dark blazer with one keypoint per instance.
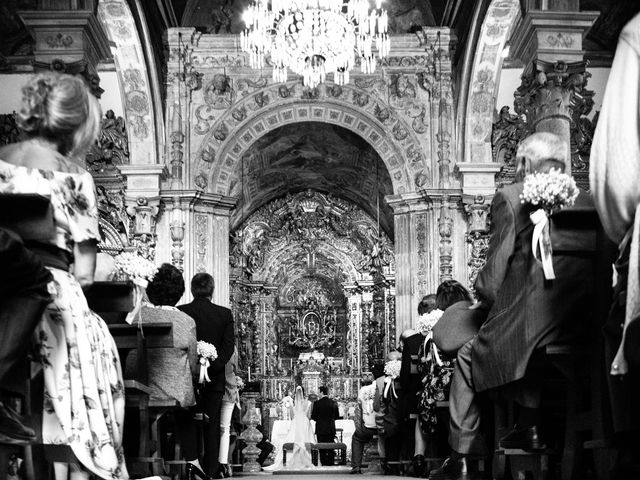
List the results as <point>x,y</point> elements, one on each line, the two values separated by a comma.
<point>325,413</point>
<point>527,311</point>
<point>410,379</point>
<point>214,324</point>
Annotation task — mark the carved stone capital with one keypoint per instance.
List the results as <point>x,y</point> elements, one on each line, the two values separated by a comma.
<point>551,89</point>
<point>478,178</point>
<point>477,211</point>
<point>64,38</point>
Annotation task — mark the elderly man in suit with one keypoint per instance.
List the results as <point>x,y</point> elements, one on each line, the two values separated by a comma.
<point>214,324</point>
<point>525,311</point>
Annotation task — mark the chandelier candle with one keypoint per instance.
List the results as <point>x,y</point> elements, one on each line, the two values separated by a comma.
<point>315,37</point>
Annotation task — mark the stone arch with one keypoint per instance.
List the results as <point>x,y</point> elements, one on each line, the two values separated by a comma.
<point>132,70</point>
<point>497,26</point>
<point>254,115</point>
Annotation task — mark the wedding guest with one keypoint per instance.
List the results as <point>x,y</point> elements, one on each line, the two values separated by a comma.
<point>171,370</point>
<point>365,422</point>
<point>392,420</point>
<point>325,413</point>
<point>214,325</point>
<point>411,382</point>
<point>23,298</point>
<point>614,175</point>
<point>84,398</point>
<point>379,409</point>
<point>525,312</point>
<point>230,401</point>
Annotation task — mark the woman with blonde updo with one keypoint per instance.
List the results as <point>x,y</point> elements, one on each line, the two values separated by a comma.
<point>83,388</point>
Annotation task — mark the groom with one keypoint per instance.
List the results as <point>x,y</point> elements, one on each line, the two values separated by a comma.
<point>325,413</point>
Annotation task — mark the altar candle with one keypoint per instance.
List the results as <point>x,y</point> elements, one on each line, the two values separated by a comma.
<point>346,387</point>
<point>279,390</point>
<point>248,374</point>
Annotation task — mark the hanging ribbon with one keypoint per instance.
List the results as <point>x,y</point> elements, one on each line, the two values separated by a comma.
<point>389,384</point>
<point>139,286</point>
<point>541,239</point>
<point>204,367</point>
<point>434,349</point>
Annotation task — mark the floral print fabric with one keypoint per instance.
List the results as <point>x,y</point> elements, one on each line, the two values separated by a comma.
<point>436,380</point>
<point>83,387</point>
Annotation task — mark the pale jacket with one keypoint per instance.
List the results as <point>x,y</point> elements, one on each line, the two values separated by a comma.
<point>615,165</point>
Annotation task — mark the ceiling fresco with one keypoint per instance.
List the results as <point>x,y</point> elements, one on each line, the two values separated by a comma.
<point>224,16</point>
<point>318,156</point>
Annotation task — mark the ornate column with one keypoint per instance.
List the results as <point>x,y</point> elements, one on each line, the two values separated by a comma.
<point>68,38</point>
<point>354,334</point>
<point>367,312</point>
<point>206,236</point>
<point>417,269</point>
<point>549,43</point>
<point>477,237</point>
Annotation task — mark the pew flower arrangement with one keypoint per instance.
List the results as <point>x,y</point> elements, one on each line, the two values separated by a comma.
<point>207,353</point>
<point>239,383</point>
<point>140,271</point>
<point>392,371</point>
<point>366,395</point>
<point>426,321</point>
<point>545,193</point>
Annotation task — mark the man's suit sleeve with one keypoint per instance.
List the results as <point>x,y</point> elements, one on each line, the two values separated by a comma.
<point>314,412</point>
<point>502,235</point>
<point>228,344</point>
<point>336,411</point>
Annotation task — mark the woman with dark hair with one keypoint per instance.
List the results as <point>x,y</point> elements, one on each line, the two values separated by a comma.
<point>450,292</point>
<point>435,366</point>
<point>83,388</point>
<point>171,370</point>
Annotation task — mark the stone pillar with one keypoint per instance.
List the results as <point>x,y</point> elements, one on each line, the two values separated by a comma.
<point>477,238</point>
<point>68,38</point>
<point>549,43</point>
<point>354,334</point>
<point>417,268</point>
<point>205,247</point>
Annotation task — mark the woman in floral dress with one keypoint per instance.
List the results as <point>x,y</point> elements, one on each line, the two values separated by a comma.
<point>84,397</point>
<point>434,367</point>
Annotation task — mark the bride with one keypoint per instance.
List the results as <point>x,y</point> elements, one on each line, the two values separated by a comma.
<point>300,434</point>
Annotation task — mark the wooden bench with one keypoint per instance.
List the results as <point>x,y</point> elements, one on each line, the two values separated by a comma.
<point>315,449</point>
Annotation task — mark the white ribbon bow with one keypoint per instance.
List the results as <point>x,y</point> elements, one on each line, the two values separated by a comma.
<point>389,383</point>
<point>204,366</point>
<point>433,347</point>
<point>139,286</point>
<point>541,239</point>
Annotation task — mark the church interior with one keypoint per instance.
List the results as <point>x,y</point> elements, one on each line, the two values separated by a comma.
<point>324,206</point>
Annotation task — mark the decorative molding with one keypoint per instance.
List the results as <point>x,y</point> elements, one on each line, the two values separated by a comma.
<point>477,237</point>
<point>202,232</point>
<point>506,134</point>
<point>59,41</point>
<point>143,213</point>
<point>445,228</point>
<point>80,67</point>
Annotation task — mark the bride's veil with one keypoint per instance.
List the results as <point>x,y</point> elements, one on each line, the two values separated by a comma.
<point>299,406</point>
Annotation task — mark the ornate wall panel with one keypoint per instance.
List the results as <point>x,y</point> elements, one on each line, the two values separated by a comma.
<point>500,19</point>
<point>119,24</point>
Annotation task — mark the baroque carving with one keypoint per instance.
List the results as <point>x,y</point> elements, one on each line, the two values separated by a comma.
<point>112,147</point>
<point>445,249</point>
<point>59,41</point>
<point>506,134</point>
<point>9,132</point>
<point>202,232</point>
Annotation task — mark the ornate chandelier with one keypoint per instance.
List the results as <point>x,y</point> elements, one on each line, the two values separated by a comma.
<point>314,37</point>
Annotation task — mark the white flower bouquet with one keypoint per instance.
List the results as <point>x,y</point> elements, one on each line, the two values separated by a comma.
<point>368,392</point>
<point>547,192</point>
<point>392,368</point>
<point>426,321</point>
<point>131,266</point>
<point>207,353</point>
<point>239,383</point>
<point>135,268</point>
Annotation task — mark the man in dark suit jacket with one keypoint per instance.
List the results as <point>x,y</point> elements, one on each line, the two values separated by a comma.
<point>325,413</point>
<point>525,311</point>
<point>214,324</point>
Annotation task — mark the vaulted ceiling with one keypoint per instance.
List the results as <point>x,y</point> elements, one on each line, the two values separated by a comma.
<point>318,156</point>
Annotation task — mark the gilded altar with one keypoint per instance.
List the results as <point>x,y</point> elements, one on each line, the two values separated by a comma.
<point>312,295</point>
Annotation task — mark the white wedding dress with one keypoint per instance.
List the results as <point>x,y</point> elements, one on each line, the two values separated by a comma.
<point>300,434</point>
